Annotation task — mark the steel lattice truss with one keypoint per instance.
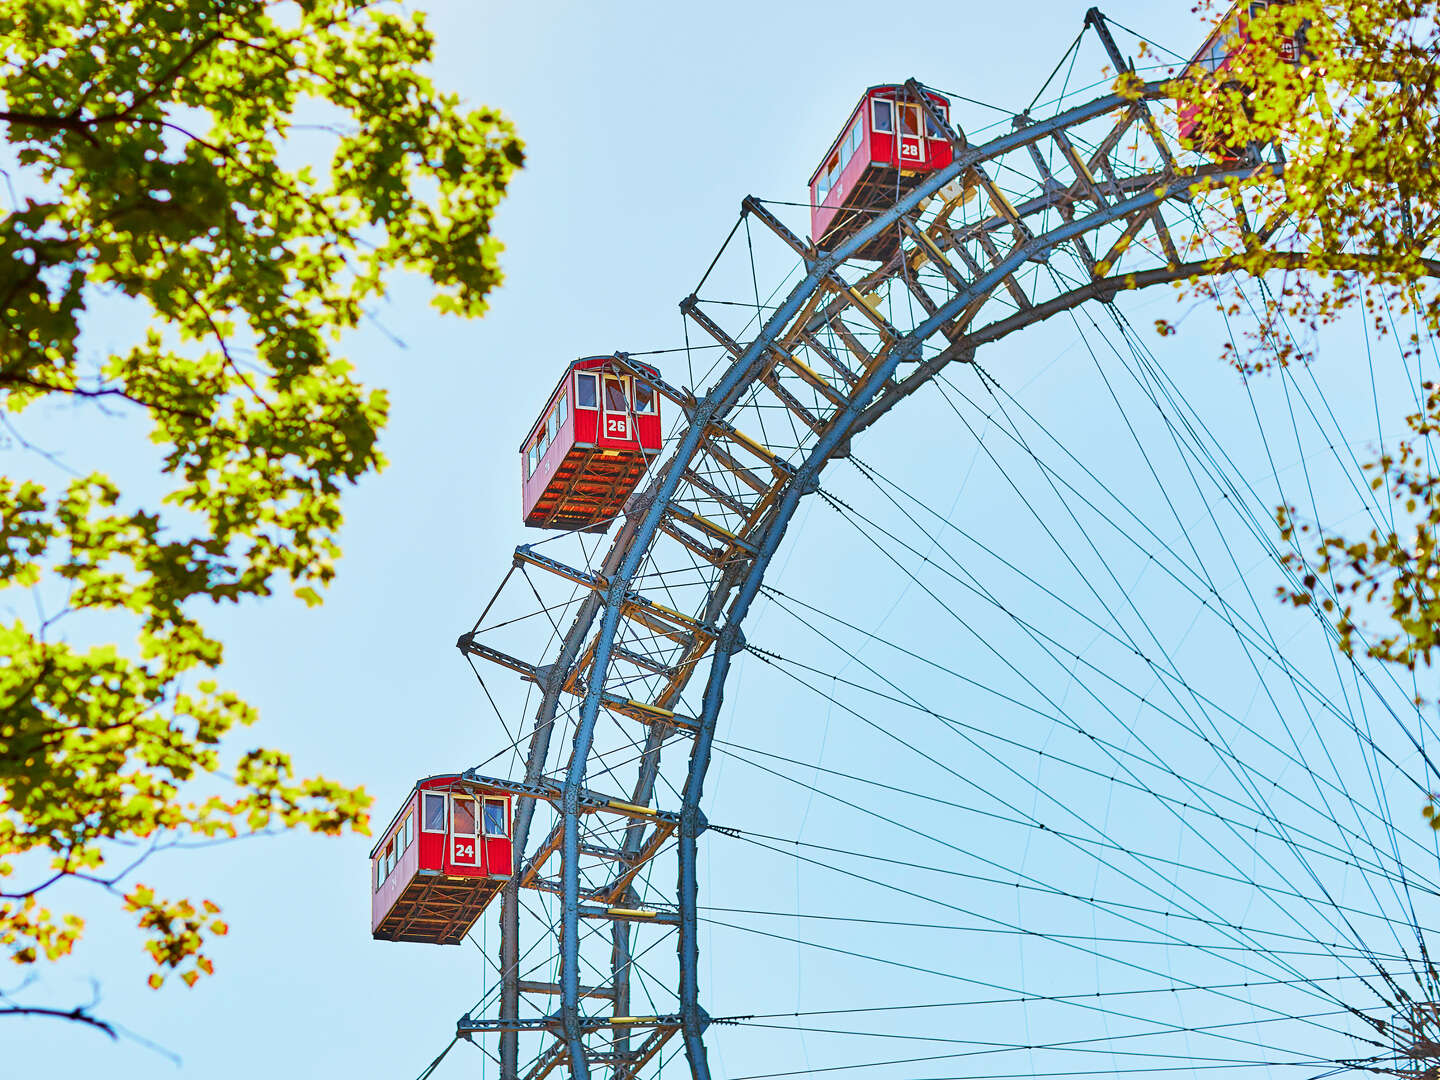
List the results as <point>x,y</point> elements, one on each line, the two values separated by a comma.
<point>1078,206</point>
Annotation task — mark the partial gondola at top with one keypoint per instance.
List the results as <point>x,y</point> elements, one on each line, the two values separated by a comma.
<point>1221,52</point>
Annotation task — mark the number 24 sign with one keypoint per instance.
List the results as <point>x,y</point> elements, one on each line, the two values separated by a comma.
<point>464,849</point>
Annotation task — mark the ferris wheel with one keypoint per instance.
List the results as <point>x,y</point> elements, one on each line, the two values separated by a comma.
<point>1128,814</point>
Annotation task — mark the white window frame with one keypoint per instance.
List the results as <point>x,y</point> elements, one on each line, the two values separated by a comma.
<point>940,111</point>
<point>654,398</point>
<point>624,381</point>
<point>595,387</point>
<point>444,817</point>
<point>916,114</point>
<point>504,804</point>
<point>455,800</point>
<point>875,116</point>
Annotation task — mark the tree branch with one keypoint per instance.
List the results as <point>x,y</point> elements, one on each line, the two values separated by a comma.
<point>72,121</point>
<point>77,1014</point>
<point>79,391</point>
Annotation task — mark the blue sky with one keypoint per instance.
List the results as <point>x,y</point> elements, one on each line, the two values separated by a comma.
<point>645,126</point>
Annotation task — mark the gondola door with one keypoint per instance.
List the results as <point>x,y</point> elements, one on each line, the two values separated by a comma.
<point>616,402</point>
<point>464,821</point>
<point>912,141</point>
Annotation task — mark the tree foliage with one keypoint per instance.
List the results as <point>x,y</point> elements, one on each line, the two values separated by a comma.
<point>1353,114</point>
<point>1351,109</point>
<point>152,168</point>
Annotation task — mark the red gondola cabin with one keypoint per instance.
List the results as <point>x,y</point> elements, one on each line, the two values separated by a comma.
<point>1222,49</point>
<point>445,855</point>
<point>597,435</point>
<point>888,143</point>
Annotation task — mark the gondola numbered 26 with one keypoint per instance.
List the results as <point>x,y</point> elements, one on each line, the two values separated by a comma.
<point>593,441</point>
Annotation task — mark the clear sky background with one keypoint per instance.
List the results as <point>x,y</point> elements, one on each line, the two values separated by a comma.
<point>645,125</point>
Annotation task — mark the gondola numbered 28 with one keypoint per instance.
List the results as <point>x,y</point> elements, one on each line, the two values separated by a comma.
<point>886,146</point>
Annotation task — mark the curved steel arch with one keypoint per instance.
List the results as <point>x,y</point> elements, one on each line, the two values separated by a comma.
<point>1080,199</point>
